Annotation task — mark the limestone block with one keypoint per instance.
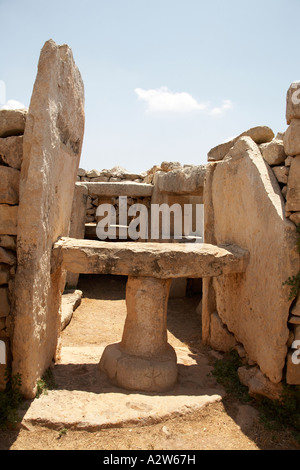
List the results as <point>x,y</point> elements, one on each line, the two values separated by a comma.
<point>253,305</point>
<point>293,368</point>
<point>124,188</point>
<point>291,138</point>
<point>9,185</point>
<point>273,152</point>
<point>189,180</point>
<point>4,302</point>
<point>4,274</point>
<point>51,152</point>
<point>293,102</point>
<point>81,172</point>
<point>260,135</point>
<point>288,161</point>
<point>77,224</point>
<point>296,309</point>
<point>158,260</point>
<point>281,173</point>
<point>295,217</point>
<point>92,174</point>
<point>293,192</point>
<point>7,256</point>
<point>169,166</point>
<point>220,338</point>
<point>8,219</point>
<point>71,300</point>
<point>11,151</point>
<point>7,241</point>
<point>12,122</point>
<point>296,332</point>
<point>258,383</point>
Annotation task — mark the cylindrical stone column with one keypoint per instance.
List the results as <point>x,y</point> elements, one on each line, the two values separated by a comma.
<point>143,360</point>
<point>145,330</point>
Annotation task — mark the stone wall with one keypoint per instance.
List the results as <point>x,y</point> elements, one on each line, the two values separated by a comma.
<point>251,198</point>
<point>12,125</point>
<point>168,178</point>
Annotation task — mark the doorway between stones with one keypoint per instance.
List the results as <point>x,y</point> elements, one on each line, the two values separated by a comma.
<point>99,319</point>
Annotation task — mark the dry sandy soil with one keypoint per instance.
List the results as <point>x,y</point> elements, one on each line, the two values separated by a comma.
<point>223,425</point>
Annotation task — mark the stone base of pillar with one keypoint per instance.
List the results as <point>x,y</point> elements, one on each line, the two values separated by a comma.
<point>145,374</point>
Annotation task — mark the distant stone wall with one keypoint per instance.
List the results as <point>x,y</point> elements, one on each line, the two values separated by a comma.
<point>168,178</point>
<point>12,124</point>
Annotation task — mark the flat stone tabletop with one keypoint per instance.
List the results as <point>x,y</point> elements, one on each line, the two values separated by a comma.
<point>159,260</point>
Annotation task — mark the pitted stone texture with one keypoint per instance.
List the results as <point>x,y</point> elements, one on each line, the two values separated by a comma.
<point>254,306</point>
<point>8,219</point>
<point>11,151</point>
<point>77,224</point>
<point>291,138</point>
<point>293,192</point>
<point>145,330</point>
<point>189,180</point>
<point>51,151</point>
<point>12,122</point>
<point>9,185</point>
<point>140,373</point>
<point>159,260</point>
<point>293,102</point>
<point>143,360</point>
<point>259,135</point>
<point>273,152</point>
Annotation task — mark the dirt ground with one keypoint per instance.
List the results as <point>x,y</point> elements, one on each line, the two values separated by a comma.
<point>224,425</point>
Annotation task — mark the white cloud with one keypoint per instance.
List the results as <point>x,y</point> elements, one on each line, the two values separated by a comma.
<point>227,104</point>
<point>164,100</point>
<point>13,104</point>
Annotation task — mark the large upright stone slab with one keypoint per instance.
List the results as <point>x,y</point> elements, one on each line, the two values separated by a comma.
<point>245,207</point>
<point>77,224</point>
<point>51,153</point>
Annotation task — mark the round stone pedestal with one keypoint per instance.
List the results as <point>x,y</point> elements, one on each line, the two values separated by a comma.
<point>152,374</point>
<point>143,360</point>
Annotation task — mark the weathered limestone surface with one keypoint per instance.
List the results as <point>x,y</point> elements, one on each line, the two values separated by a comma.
<point>7,241</point>
<point>189,180</point>
<point>221,339</point>
<point>291,138</point>
<point>244,206</point>
<point>273,152</point>
<point>127,188</point>
<point>11,151</point>
<point>159,260</point>
<point>51,152</point>
<point>71,299</point>
<point>4,302</point>
<point>77,224</point>
<point>258,383</point>
<point>8,219</point>
<point>259,135</point>
<point>143,360</point>
<point>4,274</point>
<point>7,257</point>
<point>9,185</point>
<point>293,193</point>
<point>293,102</point>
<point>293,367</point>
<point>12,122</point>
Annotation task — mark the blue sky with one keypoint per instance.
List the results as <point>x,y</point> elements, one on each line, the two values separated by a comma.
<point>164,79</point>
